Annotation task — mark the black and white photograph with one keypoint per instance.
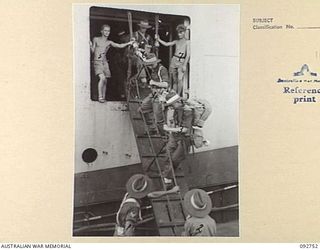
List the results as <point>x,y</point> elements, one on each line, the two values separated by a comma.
<point>156,120</point>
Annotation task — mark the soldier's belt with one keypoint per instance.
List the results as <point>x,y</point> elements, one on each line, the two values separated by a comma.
<point>179,57</point>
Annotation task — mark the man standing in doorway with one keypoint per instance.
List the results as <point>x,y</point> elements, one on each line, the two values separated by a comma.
<point>180,59</point>
<point>99,47</point>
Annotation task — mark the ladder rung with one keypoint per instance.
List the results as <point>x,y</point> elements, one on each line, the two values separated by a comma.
<point>135,101</point>
<point>152,136</point>
<point>153,156</point>
<point>177,175</point>
<point>164,198</point>
<point>137,118</point>
<point>171,224</point>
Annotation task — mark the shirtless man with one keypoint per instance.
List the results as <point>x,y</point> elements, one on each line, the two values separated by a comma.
<point>180,59</point>
<point>99,47</point>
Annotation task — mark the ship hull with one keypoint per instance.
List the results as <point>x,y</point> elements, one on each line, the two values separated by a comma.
<point>208,168</point>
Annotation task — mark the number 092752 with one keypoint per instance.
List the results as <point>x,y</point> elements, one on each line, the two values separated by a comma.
<point>307,245</point>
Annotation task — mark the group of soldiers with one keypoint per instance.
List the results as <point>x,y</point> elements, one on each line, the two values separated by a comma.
<point>166,112</point>
<point>164,108</point>
<point>196,203</point>
<point>141,47</point>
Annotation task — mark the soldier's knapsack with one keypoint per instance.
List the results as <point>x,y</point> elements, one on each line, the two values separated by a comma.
<point>201,111</point>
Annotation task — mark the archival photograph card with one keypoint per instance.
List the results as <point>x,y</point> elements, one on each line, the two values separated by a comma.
<point>161,121</point>
<point>156,121</point>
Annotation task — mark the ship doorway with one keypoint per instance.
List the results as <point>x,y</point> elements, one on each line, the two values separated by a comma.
<point>117,58</point>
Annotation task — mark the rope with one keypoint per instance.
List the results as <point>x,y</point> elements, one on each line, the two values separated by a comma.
<point>149,166</point>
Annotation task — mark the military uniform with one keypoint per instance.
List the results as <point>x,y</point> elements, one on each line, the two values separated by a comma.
<point>151,103</point>
<point>142,40</point>
<point>179,142</point>
<point>205,226</point>
<point>128,215</point>
<point>198,205</point>
<point>202,110</point>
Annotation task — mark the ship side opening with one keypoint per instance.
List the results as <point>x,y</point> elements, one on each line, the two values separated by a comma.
<point>117,58</point>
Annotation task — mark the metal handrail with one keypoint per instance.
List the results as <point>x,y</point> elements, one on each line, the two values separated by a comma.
<point>108,225</point>
<point>222,189</point>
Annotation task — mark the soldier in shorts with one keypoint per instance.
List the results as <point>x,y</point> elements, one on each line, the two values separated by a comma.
<point>99,47</point>
<point>180,59</point>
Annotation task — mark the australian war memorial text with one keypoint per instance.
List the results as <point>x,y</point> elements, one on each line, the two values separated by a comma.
<point>33,246</point>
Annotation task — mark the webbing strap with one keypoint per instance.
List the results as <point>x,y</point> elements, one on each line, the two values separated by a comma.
<point>126,200</point>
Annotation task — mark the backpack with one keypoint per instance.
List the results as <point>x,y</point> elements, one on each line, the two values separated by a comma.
<point>201,111</point>
<point>195,113</point>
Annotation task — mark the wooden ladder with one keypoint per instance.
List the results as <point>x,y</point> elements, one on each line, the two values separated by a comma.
<point>168,209</point>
